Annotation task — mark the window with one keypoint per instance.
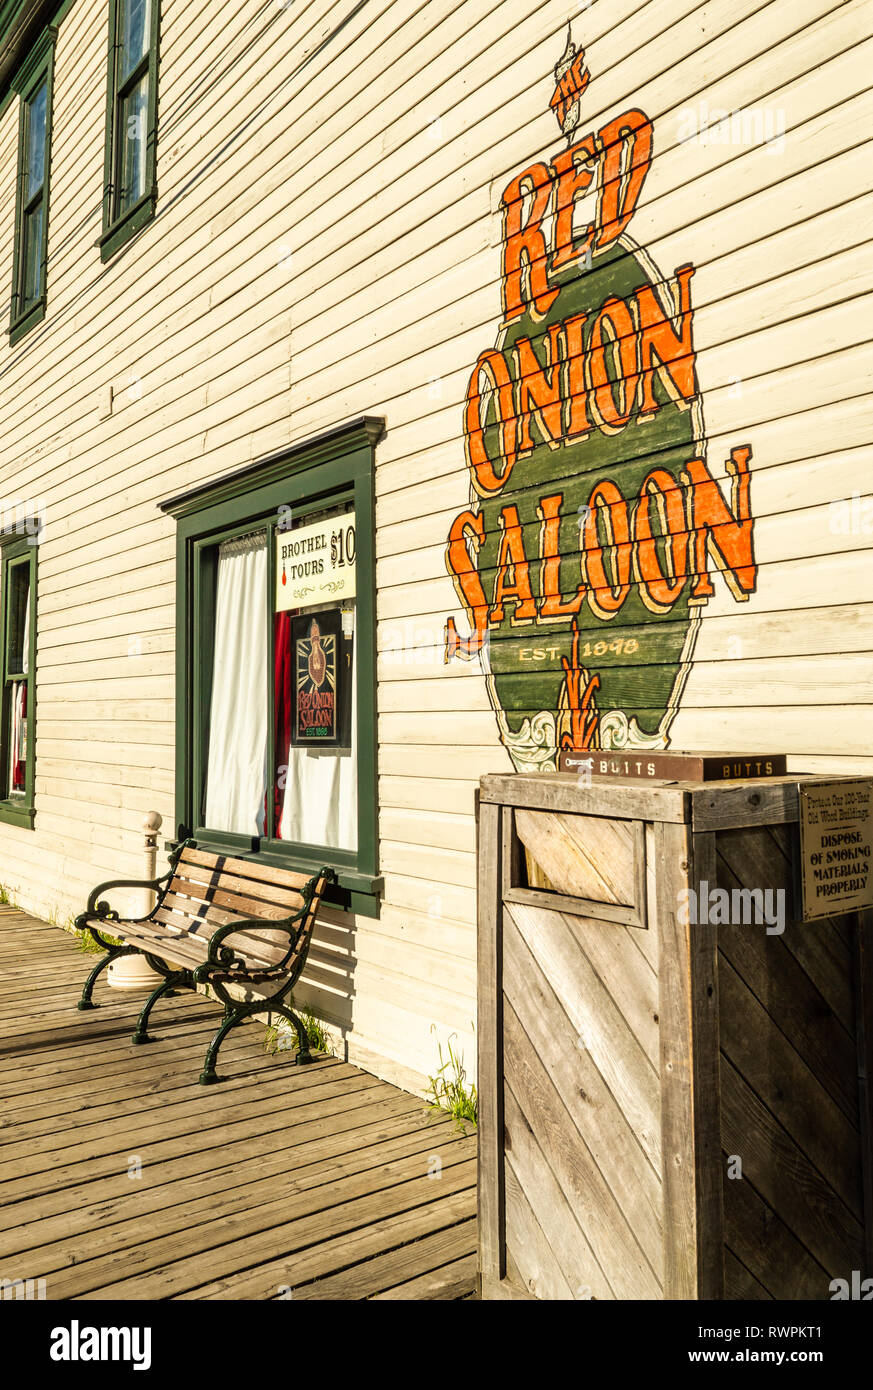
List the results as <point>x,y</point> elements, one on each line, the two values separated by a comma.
<point>276,661</point>
<point>130,188</point>
<point>34,83</point>
<point>17,703</point>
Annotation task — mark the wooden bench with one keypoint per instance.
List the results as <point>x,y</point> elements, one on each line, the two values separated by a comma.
<point>219,921</point>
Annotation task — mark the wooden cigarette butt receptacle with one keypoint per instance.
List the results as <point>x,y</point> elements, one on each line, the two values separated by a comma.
<point>672,1105</point>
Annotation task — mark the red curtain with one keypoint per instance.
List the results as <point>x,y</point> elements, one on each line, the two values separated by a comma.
<point>282,690</point>
<point>19,749</point>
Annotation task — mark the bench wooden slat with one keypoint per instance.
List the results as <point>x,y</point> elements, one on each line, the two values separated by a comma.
<point>196,918</point>
<point>182,891</point>
<point>246,868</point>
<point>176,948</point>
<point>269,946</point>
<point>203,878</point>
<point>184,949</point>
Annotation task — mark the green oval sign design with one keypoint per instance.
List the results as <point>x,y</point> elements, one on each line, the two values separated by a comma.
<point>586,555</point>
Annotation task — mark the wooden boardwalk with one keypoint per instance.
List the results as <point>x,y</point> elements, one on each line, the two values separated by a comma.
<point>121,1177</point>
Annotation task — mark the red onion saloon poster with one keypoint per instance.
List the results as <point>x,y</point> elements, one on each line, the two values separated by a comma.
<point>596,530</point>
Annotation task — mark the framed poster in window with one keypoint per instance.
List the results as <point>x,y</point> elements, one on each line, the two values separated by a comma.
<point>321,680</point>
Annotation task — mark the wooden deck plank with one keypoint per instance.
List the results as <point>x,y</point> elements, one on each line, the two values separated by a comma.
<point>320,1161</point>
<point>339,1252</point>
<point>450,1282</point>
<point>379,1276</point>
<point>302,1237</point>
<point>199,1165</point>
<point>225,1233</point>
<point>206,1126</point>
<point>169,1108</point>
<point>318,1176</point>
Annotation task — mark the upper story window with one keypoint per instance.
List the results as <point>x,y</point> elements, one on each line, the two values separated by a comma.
<point>34,83</point>
<point>130,186</point>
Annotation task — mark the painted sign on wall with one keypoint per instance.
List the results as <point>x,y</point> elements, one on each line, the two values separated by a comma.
<point>595,525</point>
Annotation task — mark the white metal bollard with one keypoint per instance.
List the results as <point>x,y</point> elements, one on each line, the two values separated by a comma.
<point>151,825</point>
<point>134,972</point>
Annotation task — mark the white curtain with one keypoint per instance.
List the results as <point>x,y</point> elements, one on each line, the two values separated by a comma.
<point>25,634</point>
<point>236,774</point>
<point>321,790</point>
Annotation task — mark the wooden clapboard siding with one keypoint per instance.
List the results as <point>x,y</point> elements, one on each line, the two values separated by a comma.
<point>328,244</point>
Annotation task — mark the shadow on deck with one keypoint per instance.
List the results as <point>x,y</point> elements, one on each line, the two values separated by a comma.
<point>121,1177</point>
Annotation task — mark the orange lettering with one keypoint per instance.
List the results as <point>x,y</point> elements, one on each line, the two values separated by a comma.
<point>604,596</point>
<point>661,587</point>
<point>626,141</point>
<point>553,605</point>
<point>513,572</point>
<point>525,282</point>
<point>722,532</point>
<point>486,481</point>
<point>620,337</point>
<point>539,395</point>
<point>574,169</point>
<point>468,585</point>
<point>663,348</point>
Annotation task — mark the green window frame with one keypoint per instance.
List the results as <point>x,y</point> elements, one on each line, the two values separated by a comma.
<point>17,665</point>
<point>34,83</point>
<point>336,468</point>
<point>130,190</point>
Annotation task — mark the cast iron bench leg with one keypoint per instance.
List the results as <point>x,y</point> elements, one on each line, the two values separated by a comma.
<point>166,987</point>
<point>208,1076</point>
<point>303,1054</point>
<point>86,1001</point>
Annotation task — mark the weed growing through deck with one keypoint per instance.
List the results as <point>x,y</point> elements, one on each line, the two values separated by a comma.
<point>6,900</point>
<point>281,1037</point>
<point>449,1089</point>
<point>89,946</point>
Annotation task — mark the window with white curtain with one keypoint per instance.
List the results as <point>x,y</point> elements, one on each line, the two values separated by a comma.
<point>276,663</point>
<point>236,771</point>
<point>313,789</point>
<point>16,695</point>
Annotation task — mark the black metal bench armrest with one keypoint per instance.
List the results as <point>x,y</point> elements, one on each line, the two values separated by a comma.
<point>224,956</point>
<point>102,909</point>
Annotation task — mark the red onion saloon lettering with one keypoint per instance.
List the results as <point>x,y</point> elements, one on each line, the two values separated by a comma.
<point>592,502</point>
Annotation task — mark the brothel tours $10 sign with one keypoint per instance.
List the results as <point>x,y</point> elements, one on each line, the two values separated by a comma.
<point>315,564</point>
<point>595,523</point>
